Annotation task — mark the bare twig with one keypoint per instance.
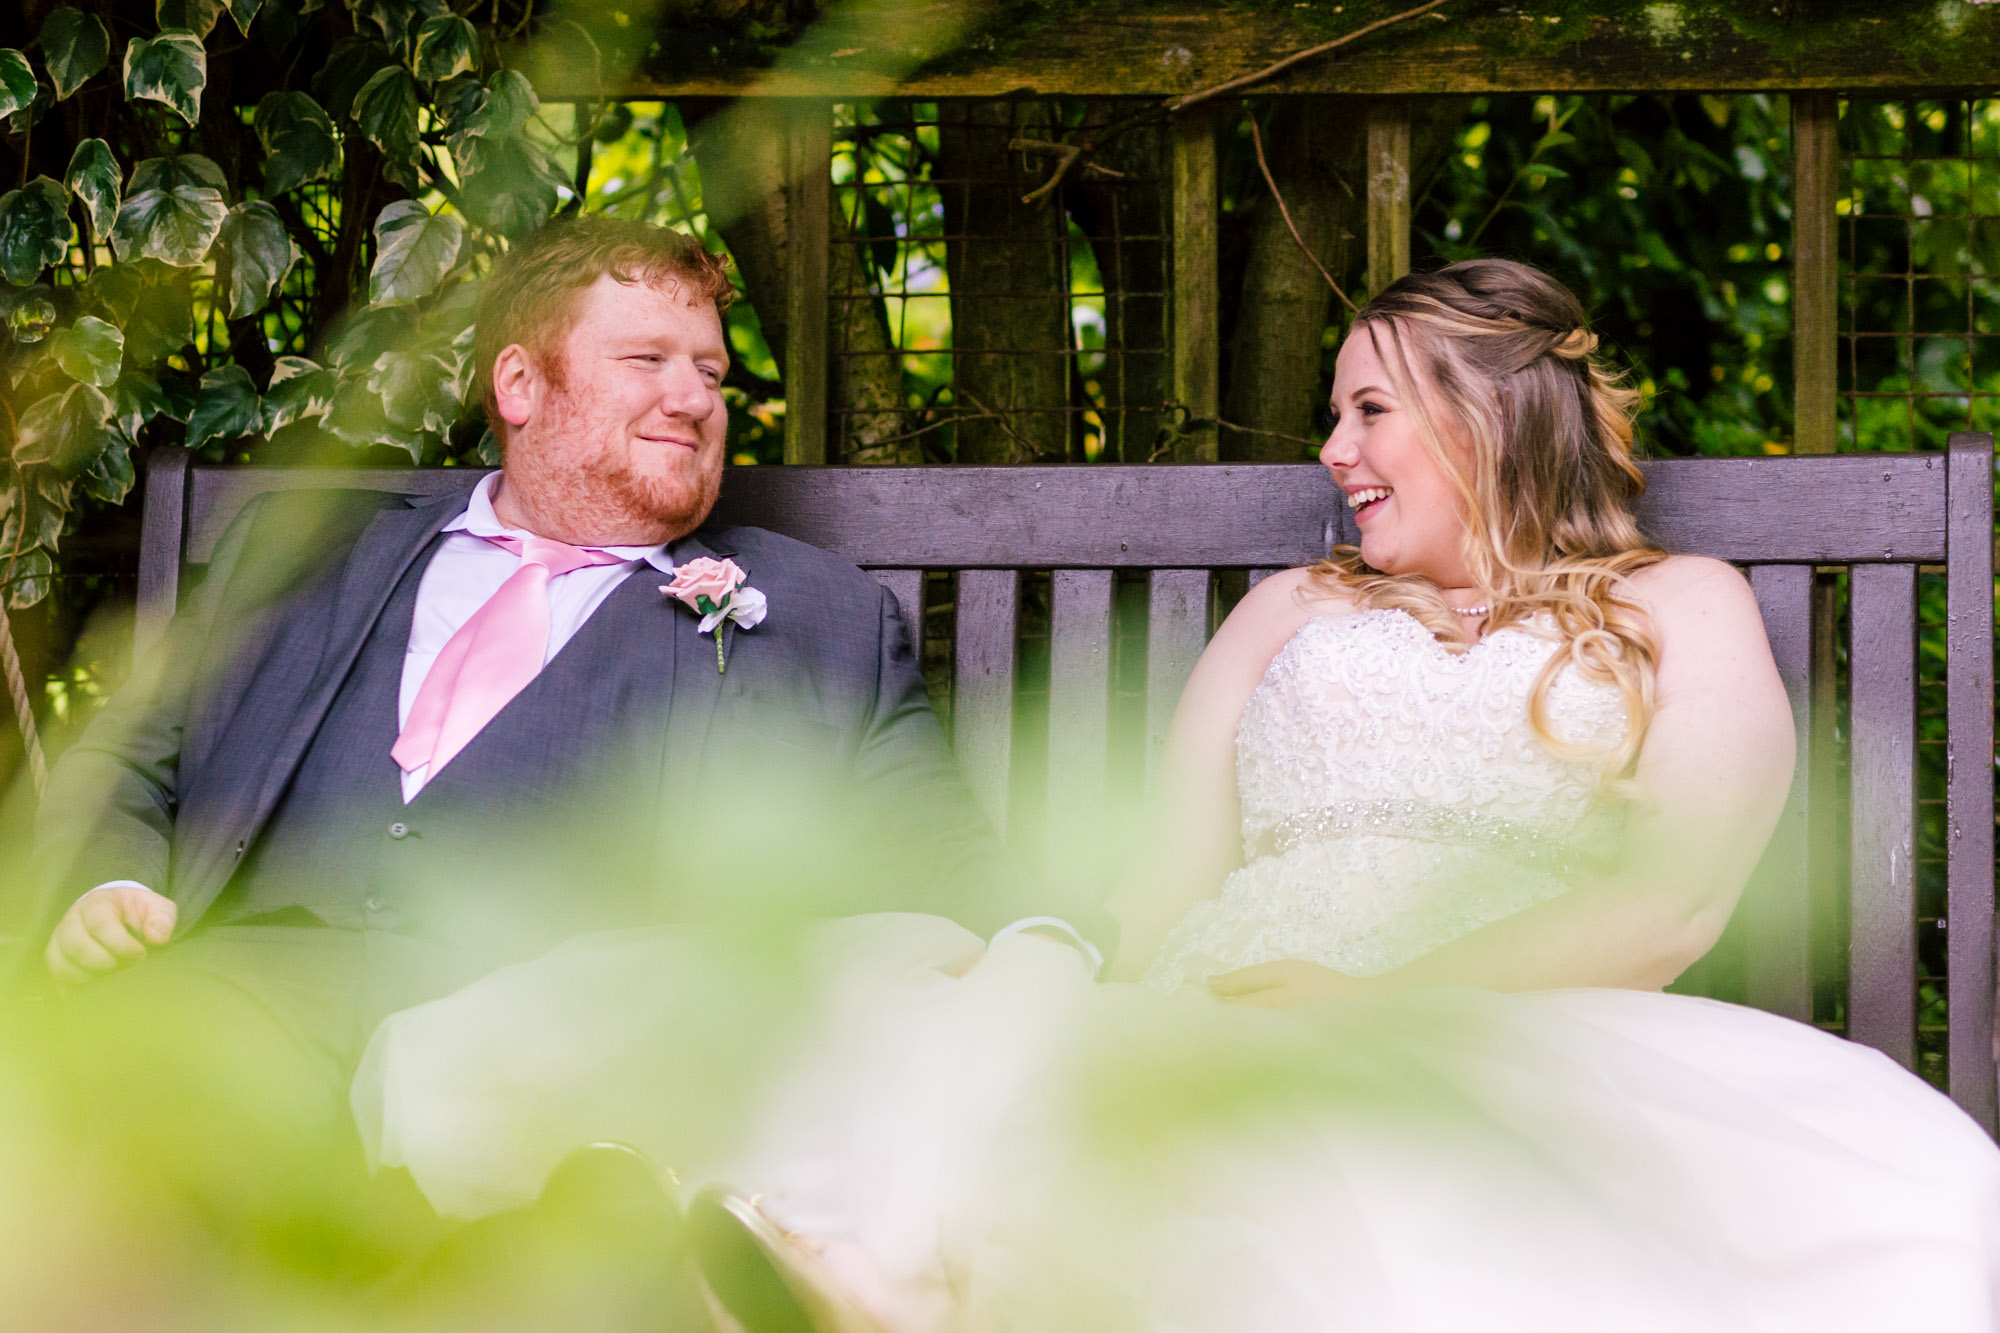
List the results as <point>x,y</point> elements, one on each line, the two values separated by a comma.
<point>1069,154</point>
<point>1028,451</point>
<point>10,660</point>
<point>1182,103</point>
<point>24,708</point>
<point>1257,142</point>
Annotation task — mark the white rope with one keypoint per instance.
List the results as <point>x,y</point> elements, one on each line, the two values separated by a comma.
<point>24,706</point>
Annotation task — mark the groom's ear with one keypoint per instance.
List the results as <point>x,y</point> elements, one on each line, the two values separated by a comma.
<point>517,384</point>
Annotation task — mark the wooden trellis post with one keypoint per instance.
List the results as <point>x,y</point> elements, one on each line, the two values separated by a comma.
<point>808,220</point>
<point>1388,191</point>
<point>1801,867</point>
<point>1197,354</point>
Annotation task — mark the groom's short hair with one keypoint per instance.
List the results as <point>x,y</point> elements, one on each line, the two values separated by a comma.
<point>530,297</point>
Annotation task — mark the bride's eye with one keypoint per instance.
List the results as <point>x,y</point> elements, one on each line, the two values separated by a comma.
<point>1372,410</point>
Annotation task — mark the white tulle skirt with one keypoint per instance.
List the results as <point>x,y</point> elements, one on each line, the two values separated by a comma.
<point>1015,1147</point>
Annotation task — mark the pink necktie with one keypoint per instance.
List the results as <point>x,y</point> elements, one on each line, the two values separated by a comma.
<point>492,657</point>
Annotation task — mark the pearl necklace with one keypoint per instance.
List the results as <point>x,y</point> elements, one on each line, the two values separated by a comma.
<point>1479,610</point>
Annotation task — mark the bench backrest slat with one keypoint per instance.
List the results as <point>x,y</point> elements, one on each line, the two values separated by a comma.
<point>1969,937</point>
<point>907,587</point>
<point>982,696</point>
<point>1079,703</point>
<point>1176,632</point>
<point>1775,910</point>
<point>1882,790</point>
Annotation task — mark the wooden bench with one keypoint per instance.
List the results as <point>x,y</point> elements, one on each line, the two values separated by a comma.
<point>1880,516</point>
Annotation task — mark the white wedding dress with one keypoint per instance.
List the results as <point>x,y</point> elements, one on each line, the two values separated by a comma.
<point>1020,1148</point>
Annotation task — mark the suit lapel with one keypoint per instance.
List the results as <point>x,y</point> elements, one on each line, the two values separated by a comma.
<point>388,547</point>
<point>692,691</point>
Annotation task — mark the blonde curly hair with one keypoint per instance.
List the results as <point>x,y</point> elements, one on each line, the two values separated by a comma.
<point>1495,364</point>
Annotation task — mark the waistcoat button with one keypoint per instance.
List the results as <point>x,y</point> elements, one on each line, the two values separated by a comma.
<point>399,829</point>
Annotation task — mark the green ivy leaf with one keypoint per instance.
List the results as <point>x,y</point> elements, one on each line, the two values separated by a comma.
<point>170,173</point>
<point>446,45</point>
<point>488,448</point>
<point>300,388</point>
<point>76,47</point>
<point>244,12</point>
<point>261,252</point>
<point>17,81</point>
<point>508,185</point>
<point>31,315</point>
<point>151,301</point>
<point>414,249</point>
<point>507,104</point>
<point>66,431</point>
<point>368,333</point>
<point>386,111</point>
<point>110,478</point>
<point>298,135</point>
<point>136,398</point>
<point>394,19</point>
<point>173,226</point>
<point>35,229</point>
<point>30,577</point>
<point>416,390</point>
<point>352,62</point>
<point>171,69</point>
<point>197,16</point>
<point>357,418</point>
<point>226,409</point>
<point>93,178</point>
<point>89,351</point>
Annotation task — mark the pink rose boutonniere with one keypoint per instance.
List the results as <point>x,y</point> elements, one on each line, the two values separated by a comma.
<point>717,591</point>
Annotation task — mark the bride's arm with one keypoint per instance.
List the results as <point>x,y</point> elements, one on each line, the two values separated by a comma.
<point>1191,837</point>
<point>1715,765</point>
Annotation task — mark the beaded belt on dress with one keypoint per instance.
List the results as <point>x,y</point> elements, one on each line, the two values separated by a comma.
<point>1519,842</point>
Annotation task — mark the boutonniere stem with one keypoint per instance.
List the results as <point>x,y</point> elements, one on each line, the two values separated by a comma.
<point>719,592</point>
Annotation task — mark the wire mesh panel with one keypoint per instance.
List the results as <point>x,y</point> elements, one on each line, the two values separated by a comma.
<point>1919,358</point>
<point>981,315</point>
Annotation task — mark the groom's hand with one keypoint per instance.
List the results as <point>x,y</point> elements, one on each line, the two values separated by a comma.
<point>1282,984</point>
<point>107,929</point>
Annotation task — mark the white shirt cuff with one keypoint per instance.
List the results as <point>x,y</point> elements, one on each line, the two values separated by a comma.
<point>113,884</point>
<point>1061,927</point>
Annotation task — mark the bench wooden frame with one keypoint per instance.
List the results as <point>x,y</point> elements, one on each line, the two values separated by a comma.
<point>1881,515</point>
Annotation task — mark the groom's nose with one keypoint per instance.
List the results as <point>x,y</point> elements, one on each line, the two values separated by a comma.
<point>685,392</point>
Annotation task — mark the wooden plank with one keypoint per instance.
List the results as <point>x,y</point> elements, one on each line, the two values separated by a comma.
<point>1079,705</point>
<point>1388,191</point>
<point>1776,906</point>
<point>808,225</point>
<point>907,586</point>
<point>1836,510</point>
<point>982,693</point>
<point>1815,272</point>
<point>162,534</point>
<point>1882,950</point>
<point>1197,321</point>
<point>1138,47</point>
<point>1176,632</point>
<point>1968,753</point>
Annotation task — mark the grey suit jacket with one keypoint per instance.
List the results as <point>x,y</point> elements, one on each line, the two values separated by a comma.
<point>172,783</point>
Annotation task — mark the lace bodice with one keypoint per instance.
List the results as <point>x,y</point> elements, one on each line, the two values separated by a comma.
<point>1395,796</point>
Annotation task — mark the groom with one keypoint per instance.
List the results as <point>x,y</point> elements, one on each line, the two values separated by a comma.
<point>398,742</point>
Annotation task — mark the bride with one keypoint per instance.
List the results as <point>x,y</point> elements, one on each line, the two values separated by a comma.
<point>1438,818</point>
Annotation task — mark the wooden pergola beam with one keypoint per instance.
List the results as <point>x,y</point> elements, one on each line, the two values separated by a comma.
<point>1140,48</point>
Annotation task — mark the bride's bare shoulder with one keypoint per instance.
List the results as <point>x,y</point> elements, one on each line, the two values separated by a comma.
<point>1272,612</point>
<point>1684,591</point>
